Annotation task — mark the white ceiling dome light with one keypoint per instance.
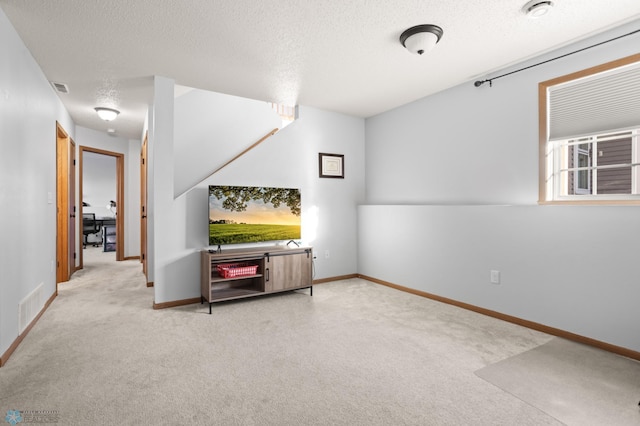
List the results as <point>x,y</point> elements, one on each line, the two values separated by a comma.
<point>107,114</point>
<point>537,8</point>
<point>421,38</point>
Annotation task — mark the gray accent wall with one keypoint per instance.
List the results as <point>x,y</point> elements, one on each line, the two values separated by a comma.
<point>452,191</point>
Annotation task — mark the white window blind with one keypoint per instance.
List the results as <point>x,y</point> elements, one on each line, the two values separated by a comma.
<point>595,104</point>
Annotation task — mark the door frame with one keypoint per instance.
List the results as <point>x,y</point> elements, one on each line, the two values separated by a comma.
<point>73,223</point>
<point>143,207</point>
<point>119,196</point>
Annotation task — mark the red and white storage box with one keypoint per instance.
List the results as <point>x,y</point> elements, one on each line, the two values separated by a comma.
<point>231,270</point>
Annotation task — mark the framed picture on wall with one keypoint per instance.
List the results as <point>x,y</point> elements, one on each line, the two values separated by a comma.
<point>331,165</point>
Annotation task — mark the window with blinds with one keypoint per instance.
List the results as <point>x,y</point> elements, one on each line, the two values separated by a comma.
<point>590,135</point>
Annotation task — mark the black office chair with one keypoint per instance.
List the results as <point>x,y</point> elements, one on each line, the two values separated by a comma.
<point>89,226</point>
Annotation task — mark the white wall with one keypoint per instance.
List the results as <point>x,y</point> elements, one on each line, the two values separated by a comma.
<point>447,160</point>
<point>131,150</point>
<point>98,183</point>
<point>581,278</point>
<point>329,217</point>
<point>287,159</point>
<point>29,109</point>
<point>209,130</point>
<point>161,222</point>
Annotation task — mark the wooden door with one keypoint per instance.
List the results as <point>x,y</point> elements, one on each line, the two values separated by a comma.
<point>143,206</point>
<point>62,205</point>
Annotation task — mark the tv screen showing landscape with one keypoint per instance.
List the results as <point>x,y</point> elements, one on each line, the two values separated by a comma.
<point>251,214</point>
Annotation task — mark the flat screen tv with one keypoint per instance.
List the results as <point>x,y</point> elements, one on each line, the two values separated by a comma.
<point>252,214</point>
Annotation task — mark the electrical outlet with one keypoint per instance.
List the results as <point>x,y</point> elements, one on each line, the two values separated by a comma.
<point>327,254</point>
<point>495,277</point>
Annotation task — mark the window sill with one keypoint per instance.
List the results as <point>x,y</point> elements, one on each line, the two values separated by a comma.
<point>590,203</point>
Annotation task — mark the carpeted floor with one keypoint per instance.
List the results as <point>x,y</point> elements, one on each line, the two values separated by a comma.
<point>355,353</point>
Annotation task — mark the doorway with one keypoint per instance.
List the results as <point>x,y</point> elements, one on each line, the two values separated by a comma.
<point>108,209</point>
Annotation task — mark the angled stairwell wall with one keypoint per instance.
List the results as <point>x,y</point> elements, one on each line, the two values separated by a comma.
<point>214,129</point>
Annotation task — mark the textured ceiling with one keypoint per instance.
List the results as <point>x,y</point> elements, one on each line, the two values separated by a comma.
<point>339,55</point>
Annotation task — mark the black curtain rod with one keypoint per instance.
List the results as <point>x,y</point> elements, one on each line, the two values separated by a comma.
<point>490,80</point>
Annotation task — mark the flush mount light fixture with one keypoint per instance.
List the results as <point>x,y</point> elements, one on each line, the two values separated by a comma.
<point>537,8</point>
<point>107,114</point>
<point>421,38</point>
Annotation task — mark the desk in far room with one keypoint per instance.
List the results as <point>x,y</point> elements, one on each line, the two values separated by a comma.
<point>105,221</point>
<point>107,226</point>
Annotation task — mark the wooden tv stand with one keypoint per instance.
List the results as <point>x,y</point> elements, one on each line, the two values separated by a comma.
<point>265,270</point>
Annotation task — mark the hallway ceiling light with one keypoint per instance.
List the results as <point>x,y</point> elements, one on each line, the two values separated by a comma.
<point>421,38</point>
<point>537,8</point>
<point>107,114</point>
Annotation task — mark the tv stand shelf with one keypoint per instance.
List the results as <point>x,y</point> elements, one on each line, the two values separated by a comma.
<point>277,269</point>
<point>217,278</point>
<point>232,293</point>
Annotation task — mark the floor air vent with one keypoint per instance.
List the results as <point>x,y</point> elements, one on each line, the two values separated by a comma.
<point>29,308</point>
